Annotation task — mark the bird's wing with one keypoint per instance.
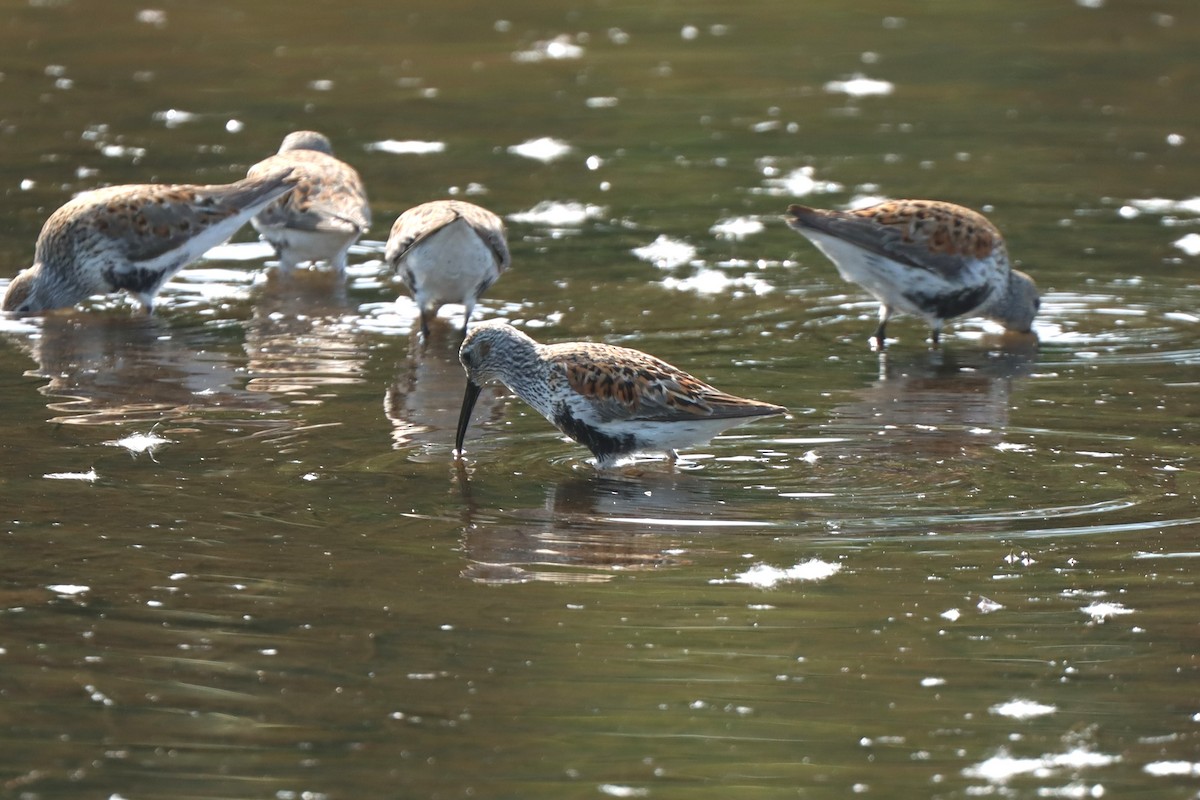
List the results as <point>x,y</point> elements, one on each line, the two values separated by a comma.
<point>149,222</point>
<point>490,228</point>
<point>630,385</point>
<point>415,225</point>
<point>329,194</point>
<point>935,237</point>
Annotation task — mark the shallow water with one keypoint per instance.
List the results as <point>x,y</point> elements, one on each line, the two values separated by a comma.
<point>240,562</point>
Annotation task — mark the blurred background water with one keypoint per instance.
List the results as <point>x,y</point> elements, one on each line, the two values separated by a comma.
<point>238,560</point>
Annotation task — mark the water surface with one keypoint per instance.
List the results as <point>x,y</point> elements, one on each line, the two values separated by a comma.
<point>240,562</point>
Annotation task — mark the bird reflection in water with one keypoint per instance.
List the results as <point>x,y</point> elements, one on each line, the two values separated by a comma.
<point>302,338</point>
<point>934,403</point>
<point>424,398</point>
<point>114,369</point>
<point>590,528</point>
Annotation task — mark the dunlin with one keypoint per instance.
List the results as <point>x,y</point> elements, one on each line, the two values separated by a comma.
<point>933,259</point>
<point>327,212</point>
<point>447,251</point>
<point>613,400</point>
<point>134,238</point>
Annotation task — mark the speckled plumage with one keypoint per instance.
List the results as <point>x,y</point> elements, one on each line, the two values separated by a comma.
<point>327,212</point>
<point>135,238</point>
<point>934,259</point>
<point>613,400</point>
<point>447,251</point>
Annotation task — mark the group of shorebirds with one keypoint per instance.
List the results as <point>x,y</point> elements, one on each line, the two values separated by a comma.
<point>931,259</point>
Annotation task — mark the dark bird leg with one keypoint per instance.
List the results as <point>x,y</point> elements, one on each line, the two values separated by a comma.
<point>425,324</point>
<point>880,336</point>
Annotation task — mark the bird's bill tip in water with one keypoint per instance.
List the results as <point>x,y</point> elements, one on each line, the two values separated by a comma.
<point>464,417</point>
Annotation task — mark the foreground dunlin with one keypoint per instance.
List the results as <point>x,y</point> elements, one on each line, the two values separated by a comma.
<point>134,238</point>
<point>447,251</point>
<point>327,212</point>
<point>933,259</point>
<point>614,401</point>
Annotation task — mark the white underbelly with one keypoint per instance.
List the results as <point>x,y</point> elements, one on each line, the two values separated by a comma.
<point>450,266</point>
<point>298,246</point>
<point>656,437</point>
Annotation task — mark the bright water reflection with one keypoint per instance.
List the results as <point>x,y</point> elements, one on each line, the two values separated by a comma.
<point>239,561</point>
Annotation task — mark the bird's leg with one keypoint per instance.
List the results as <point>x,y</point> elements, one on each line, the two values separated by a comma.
<point>425,324</point>
<point>468,307</point>
<point>338,262</point>
<point>672,457</point>
<point>935,333</point>
<point>880,336</point>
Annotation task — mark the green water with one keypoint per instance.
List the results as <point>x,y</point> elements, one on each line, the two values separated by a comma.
<point>238,560</point>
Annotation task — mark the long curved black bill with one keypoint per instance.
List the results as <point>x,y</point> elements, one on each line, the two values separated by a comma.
<point>464,416</point>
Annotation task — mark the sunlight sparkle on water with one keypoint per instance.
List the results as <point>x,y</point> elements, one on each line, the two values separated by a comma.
<point>67,588</point>
<point>1189,244</point>
<point>544,149</point>
<point>560,48</point>
<point>89,476</point>
<point>1159,205</point>
<point>174,117</point>
<point>714,281</point>
<point>613,790</point>
<point>555,213</point>
<point>797,183</point>
<point>1102,611</point>
<point>122,151</point>
<point>665,252</point>
<point>139,442</point>
<point>736,228</point>
<point>152,16</point>
<point>15,324</point>
<point>406,147</point>
<point>765,576</point>
<point>989,606</point>
<point>1172,768</point>
<point>1018,708</point>
<point>860,85</point>
<point>1002,767</point>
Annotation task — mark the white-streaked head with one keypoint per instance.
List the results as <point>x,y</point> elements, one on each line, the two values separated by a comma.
<point>307,140</point>
<point>1017,306</point>
<point>496,351</point>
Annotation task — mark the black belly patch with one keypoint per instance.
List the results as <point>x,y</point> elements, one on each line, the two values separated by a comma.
<point>135,279</point>
<point>951,304</point>
<point>601,444</point>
